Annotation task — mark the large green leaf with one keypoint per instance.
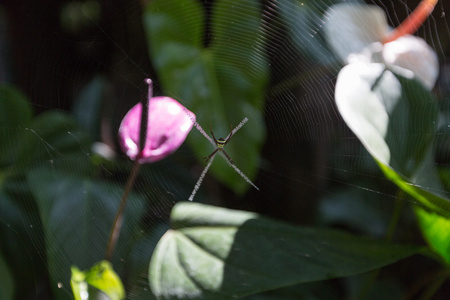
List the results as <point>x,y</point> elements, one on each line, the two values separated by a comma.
<point>77,216</point>
<point>214,253</point>
<point>221,83</point>
<point>15,116</point>
<point>395,119</point>
<point>137,283</point>
<point>51,139</point>
<point>20,228</point>
<point>50,136</point>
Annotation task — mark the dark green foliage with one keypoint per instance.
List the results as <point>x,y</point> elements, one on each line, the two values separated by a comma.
<point>214,253</point>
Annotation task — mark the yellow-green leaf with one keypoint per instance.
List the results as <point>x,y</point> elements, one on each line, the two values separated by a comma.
<point>436,230</point>
<point>102,277</point>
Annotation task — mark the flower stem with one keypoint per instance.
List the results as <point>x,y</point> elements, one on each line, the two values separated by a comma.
<point>413,21</point>
<point>118,221</point>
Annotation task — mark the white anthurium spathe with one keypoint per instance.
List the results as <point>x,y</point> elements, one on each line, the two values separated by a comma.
<point>392,116</point>
<point>414,54</point>
<point>357,33</point>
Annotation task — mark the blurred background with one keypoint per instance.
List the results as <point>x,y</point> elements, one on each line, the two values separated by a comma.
<point>88,59</point>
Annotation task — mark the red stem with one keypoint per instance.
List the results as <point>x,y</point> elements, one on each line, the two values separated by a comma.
<point>118,221</point>
<point>413,21</point>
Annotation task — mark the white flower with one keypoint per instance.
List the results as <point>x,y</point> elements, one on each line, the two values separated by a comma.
<point>357,33</point>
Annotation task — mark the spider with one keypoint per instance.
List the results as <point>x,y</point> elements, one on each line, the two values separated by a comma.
<point>220,143</point>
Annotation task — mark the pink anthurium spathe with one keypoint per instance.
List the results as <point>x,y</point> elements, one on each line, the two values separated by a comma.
<point>169,123</point>
<point>166,124</point>
<point>360,33</point>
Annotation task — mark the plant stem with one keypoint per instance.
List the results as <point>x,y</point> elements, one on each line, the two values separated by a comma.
<point>118,221</point>
<point>413,21</point>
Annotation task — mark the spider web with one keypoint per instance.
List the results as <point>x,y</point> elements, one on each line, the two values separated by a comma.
<point>312,169</point>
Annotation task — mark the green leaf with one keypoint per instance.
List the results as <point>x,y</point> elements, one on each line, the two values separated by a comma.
<point>221,83</point>
<point>102,277</point>
<point>15,116</point>
<point>88,104</point>
<point>50,136</point>
<point>426,196</point>
<point>15,109</point>
<point>137,283</point>
<point>77,216</point>
<point>444,175</point>
<point>318,290</point>
<point>358,209</point>
<point>436,230</point>
<point>214,253</point>
<point>78,283</point>
<point>7,281</point>
<point>395,119</point>
<point>20,228</point>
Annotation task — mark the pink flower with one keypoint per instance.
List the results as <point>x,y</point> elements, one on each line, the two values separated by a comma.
<point>169,123</point>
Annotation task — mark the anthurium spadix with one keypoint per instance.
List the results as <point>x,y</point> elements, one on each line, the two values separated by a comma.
<point>169,123</point>
<point>360,33</point>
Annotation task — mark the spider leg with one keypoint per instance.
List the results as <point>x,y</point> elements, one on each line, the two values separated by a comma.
<point>200,179</point>
<point>209,156</point>
<point>213,134</point>
<point>229,136</point>
<point>228,157</point>
<point>240,125</point>
<point>243,176</point>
